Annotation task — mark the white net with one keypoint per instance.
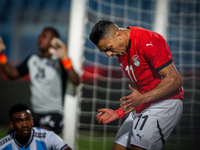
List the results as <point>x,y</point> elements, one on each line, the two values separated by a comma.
<point>104,83</point>
<point>183,34</point>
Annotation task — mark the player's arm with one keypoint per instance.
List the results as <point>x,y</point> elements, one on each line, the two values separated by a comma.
<point>10,71</point>
<point>171,81</point>
<point>106,115</point>
<point>59,49</point>
<point>55,142</point>
<point>73,76</point>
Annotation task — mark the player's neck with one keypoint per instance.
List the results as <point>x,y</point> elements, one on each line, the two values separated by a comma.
<point>45,54</point>
<point>125,34</point>
<point>22,139</point>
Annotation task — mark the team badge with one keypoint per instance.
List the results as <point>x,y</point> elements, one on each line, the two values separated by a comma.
<point>136,60</point>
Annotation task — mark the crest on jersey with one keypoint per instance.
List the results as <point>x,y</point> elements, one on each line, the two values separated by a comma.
<point>136,60</point>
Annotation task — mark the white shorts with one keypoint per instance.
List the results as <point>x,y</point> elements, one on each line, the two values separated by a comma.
<point>150,128</point>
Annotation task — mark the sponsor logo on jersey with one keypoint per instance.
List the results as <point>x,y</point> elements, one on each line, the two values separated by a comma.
<point>139,136</point>
<point>149,44</point>
<point>136,60</point>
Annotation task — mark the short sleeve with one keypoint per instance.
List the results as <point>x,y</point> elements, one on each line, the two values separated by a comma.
<point>54,142</point>
<point>157,52</point>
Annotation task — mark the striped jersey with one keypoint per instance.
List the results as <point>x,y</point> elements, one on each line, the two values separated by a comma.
<point>146,55</point>
<point>40,139</point>
<point>47,82</point>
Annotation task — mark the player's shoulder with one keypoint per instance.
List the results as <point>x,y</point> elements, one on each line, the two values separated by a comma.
<point>6,140</point>
<point>30,57</point>
<point>35,58</point>
<point>137,29</point>
<point>39,130</point>
<point>139,35</point>
<point>34,54</point>
<point>143,33</point>
<point>41,133</point>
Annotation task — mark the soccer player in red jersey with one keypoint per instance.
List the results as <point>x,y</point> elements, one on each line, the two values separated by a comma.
<point>156,101</point>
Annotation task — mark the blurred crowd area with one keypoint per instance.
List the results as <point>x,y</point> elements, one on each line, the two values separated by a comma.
<point>21,21</point>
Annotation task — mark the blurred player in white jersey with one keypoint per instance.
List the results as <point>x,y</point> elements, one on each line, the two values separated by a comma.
<point>156,103</point>
<point>48,72</point>
<point>25,136</point>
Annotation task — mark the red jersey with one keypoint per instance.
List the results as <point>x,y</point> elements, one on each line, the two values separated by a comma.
<point>146,55</point>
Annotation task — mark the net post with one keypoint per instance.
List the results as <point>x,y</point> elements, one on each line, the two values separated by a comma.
<point>75,50</point>
<point>161,17</point>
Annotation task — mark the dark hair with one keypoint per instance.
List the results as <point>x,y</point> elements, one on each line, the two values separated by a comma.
<point>17,108</point>
<point>99,30</point>
<point>53,30</point>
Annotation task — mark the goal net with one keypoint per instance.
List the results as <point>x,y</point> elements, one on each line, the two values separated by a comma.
<point>104,83</point>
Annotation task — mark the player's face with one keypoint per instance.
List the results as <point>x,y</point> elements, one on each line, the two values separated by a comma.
<point>22,123</point>
<point>44,40</point>
<point>113,46</point>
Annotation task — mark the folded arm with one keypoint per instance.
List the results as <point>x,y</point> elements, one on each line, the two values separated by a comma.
<point>171,81</point>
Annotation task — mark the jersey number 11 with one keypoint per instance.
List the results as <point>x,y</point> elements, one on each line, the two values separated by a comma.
<point>128,69</point>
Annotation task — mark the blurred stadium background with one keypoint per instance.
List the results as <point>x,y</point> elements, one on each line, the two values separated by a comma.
<point>103,82</point>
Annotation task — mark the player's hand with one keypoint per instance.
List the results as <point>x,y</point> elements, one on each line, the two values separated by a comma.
<point>132,100</point>
<point>58,48</point>
<point>2,45</point>
<point>106,116</point>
